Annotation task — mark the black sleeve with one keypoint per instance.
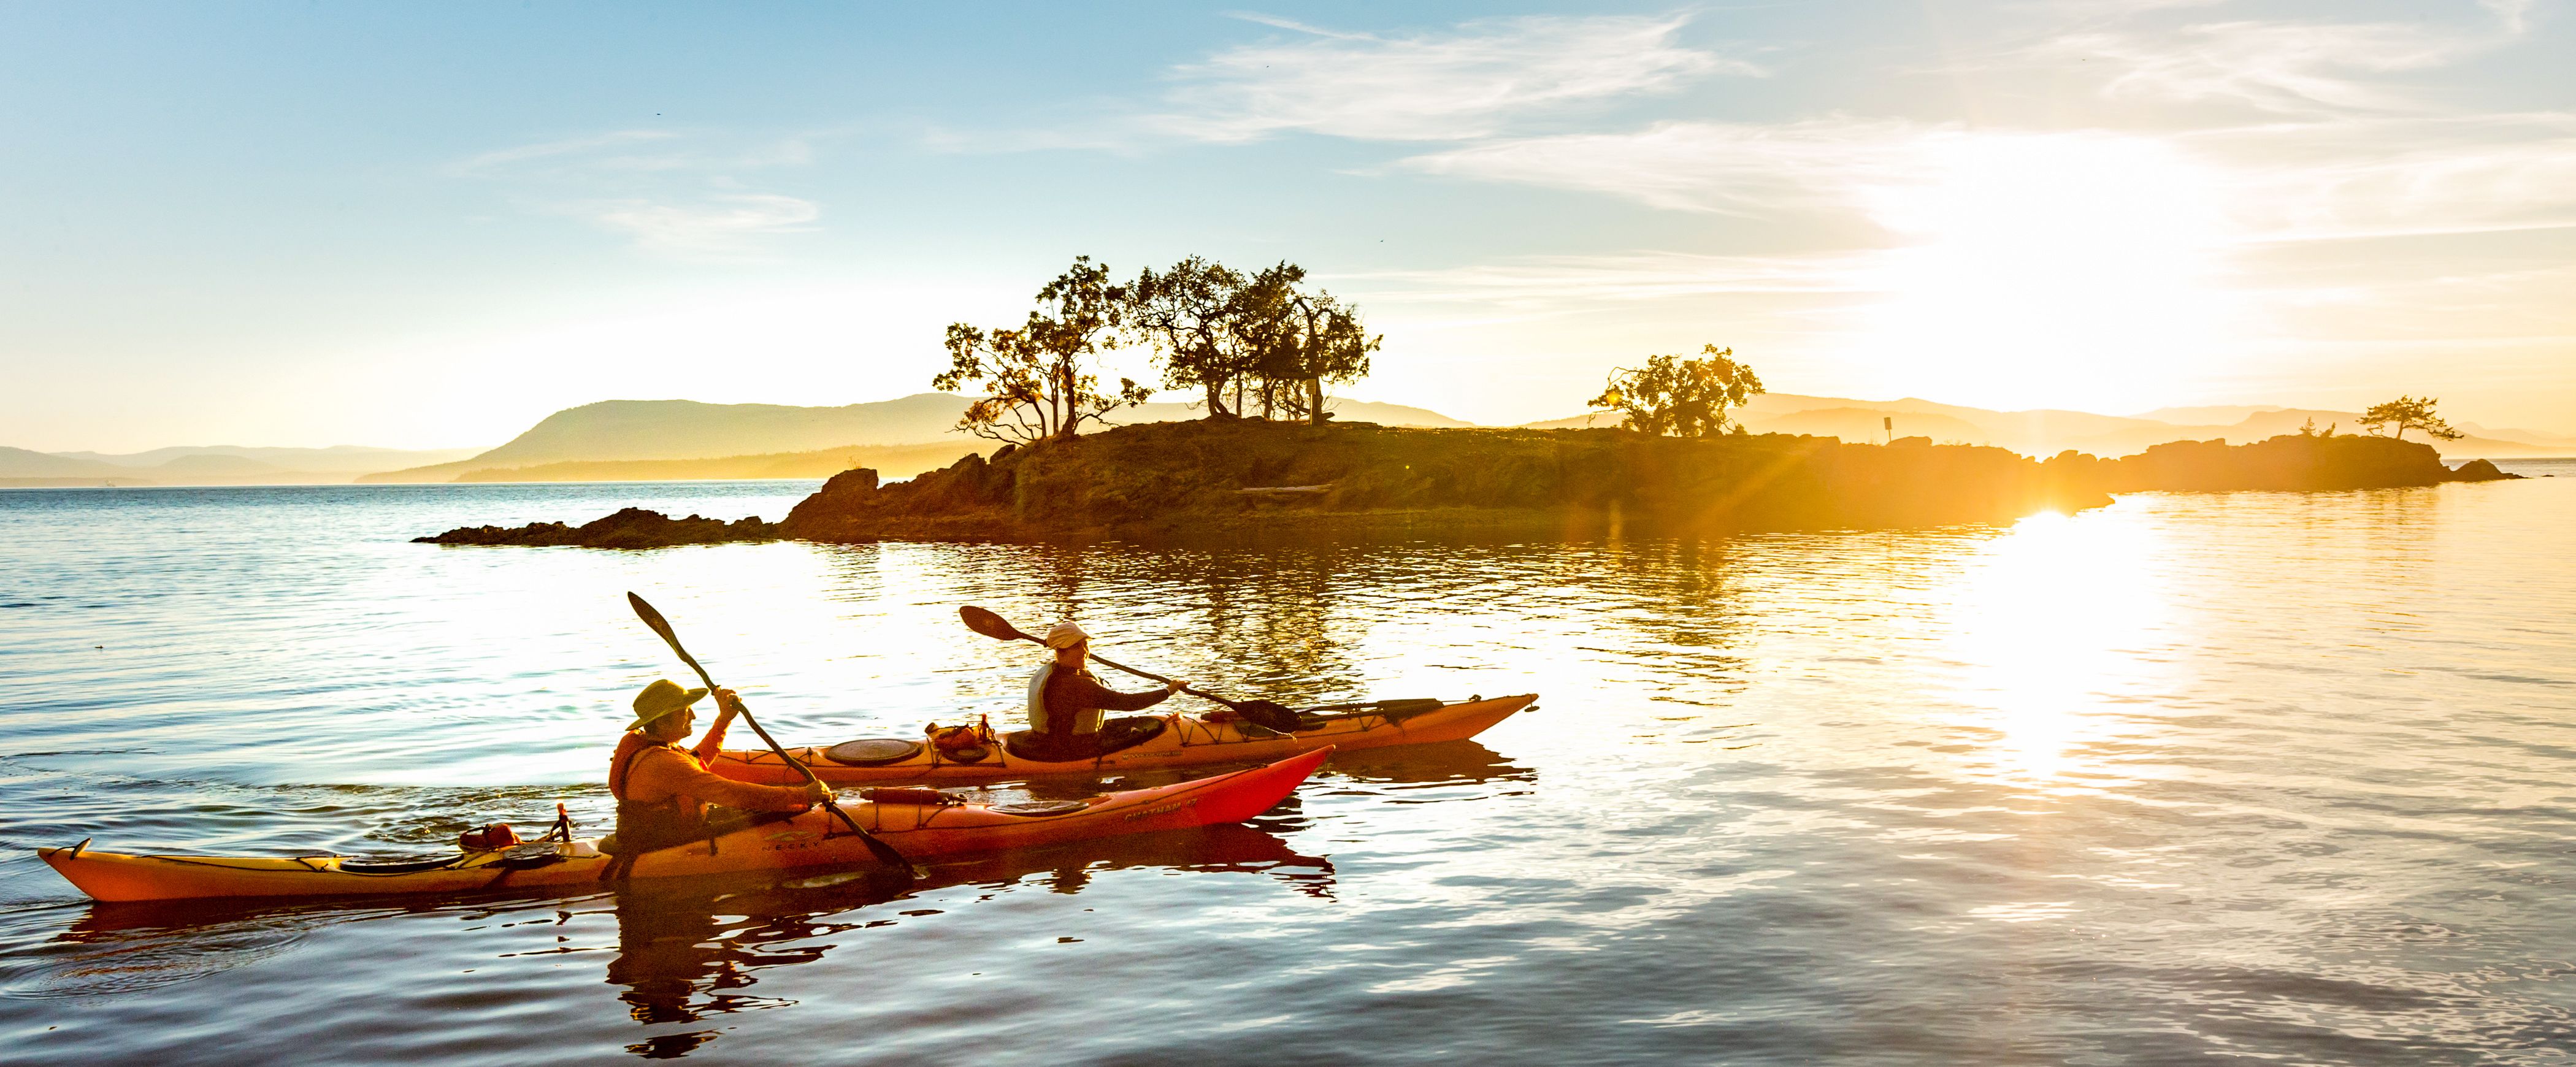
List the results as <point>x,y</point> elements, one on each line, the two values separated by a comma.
<point>1102,696</point>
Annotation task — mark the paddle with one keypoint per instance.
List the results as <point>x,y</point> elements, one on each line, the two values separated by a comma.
<point>1265,713</point>
<point>884,853</point>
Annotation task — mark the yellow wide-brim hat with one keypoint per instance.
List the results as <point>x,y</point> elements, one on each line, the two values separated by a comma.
<point>661,698</point>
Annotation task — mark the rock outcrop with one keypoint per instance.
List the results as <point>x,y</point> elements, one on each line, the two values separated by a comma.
<point>630,528</point>
<point>2287,462</point>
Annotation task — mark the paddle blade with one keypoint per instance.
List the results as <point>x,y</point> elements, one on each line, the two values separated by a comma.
<point>651,617</point>
<point>990,625</point>
<point>662,626</point>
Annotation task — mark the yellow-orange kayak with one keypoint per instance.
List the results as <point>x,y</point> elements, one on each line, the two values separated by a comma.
<point>921,831</point>
<point>1185,741</point>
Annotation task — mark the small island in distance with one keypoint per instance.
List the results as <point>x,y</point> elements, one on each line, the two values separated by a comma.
<point>1233,477</point>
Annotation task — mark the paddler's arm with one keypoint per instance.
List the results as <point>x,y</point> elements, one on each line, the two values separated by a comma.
<point>664,772</point>
<point>1101,696</point>
<point>728,705</point>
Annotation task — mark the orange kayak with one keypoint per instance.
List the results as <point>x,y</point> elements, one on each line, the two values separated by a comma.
<point>921,831</point>
<point>1185,741</point>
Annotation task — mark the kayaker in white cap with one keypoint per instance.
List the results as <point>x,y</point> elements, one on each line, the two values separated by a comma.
<point>1066,702</point>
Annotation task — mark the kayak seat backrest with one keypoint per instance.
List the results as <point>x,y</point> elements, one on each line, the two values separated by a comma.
<point>872,751</point>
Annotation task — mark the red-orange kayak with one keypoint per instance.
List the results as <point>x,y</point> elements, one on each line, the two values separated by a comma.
<point>1185,741</point>
<point>921,831</point>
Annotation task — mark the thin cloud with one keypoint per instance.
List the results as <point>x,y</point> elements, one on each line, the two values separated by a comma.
<point>1471,82</point>
<point>2273,182</point>
<point>2398,176</point>
<point>1631,276</point>
<point>2285,67</point>
<point>491,162</point>
<point>722,226</point>
<point>672,194</point>
<point>1728,168</point>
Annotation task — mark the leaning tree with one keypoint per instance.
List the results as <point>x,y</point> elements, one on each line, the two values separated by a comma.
<point>1037,378</point>
<point>1325,343</point>
<point>2408,413</point>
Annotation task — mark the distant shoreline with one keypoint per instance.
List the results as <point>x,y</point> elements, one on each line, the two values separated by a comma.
<point>2509,464</point>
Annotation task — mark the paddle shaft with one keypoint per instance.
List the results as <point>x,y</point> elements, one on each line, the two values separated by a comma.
<point>883,852</point>
<point>1259,712</point>
<point>1149,675</point>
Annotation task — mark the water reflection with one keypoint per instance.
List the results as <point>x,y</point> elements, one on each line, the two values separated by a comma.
<point>2253,775</point>
<point>1442,763</point>
<point>2046,624</point>
<point>690,950</point>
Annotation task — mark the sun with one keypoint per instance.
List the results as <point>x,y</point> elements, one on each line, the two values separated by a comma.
<point>2062,270</point>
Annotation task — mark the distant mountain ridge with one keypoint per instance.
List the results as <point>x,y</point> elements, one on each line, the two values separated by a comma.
<point>683,439</point>
<point>2047,432</point>
<point>210,465</point>
<point>765,436</point>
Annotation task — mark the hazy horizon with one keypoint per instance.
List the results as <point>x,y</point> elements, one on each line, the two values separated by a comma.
<point>2149,415</point>
<point>429,228</point>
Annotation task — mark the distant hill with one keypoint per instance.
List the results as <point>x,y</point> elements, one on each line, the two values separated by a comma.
<point>19,466</point>
<point>745,435</point>
<point>891,461</point>
<point>209,465</point>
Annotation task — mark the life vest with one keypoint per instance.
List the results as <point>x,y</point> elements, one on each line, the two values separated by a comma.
<point>643,826</point>
<point>1085,722</point>
<point>1037,696</point>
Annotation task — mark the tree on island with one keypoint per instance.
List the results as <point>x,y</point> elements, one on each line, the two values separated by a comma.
<point>1680,397</point>
<point>1036,376</point>
<point>1188,314</point>
<point>2408,413</point>
<point>1327,344</point>
<point>1244,339</point>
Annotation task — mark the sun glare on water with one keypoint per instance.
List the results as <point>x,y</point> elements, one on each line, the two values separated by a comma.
<point>2075,270</point>
<point>2047,625</point>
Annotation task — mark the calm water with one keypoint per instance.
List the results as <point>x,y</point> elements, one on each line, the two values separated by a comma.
<point>2259,776</point>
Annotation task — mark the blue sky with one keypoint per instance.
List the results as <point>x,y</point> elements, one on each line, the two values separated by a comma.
<point>425,226</point>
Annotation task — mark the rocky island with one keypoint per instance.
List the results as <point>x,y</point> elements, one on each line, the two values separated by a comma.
<point>1241,477</point>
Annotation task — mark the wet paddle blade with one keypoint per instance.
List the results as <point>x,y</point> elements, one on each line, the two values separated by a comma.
<point>990,625</point>
<point>662,626</point>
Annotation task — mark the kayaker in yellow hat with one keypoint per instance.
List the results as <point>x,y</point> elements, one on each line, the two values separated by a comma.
<point>1066,702</point>
<point>663,790</point>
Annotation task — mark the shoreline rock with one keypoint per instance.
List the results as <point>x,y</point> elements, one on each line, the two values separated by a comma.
<point>628,528</point>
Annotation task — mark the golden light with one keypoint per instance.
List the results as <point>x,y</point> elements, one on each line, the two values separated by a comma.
<point>2047,626</point>
<point>2071,270</point>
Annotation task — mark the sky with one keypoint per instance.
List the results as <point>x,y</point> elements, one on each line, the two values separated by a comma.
<point>431,225</point>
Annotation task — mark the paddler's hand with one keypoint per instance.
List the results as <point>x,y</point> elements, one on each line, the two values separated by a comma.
<point>817,793</point>
<point>728,704</point>
<point>1175,685</point>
